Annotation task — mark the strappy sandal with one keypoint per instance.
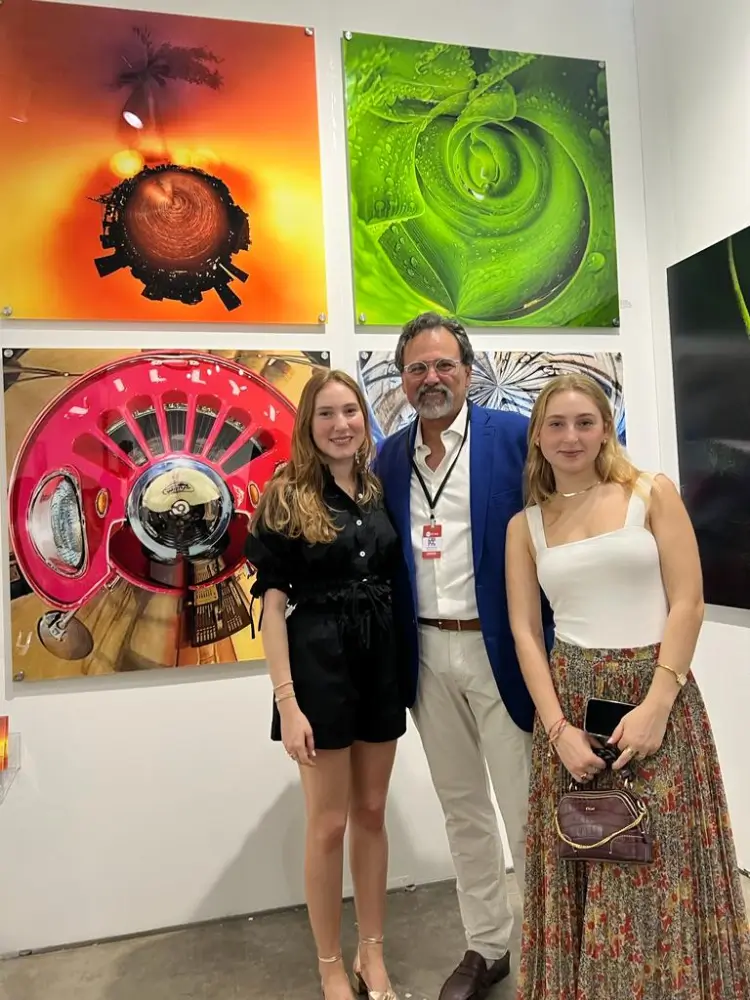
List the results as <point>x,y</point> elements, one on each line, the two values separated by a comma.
<point>328,961</point>
<point>360,985</point>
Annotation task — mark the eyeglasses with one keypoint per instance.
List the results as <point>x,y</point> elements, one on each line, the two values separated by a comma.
<point>443,366</point>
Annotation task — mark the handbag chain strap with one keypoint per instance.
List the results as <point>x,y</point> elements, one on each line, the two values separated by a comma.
<point>600,843</point>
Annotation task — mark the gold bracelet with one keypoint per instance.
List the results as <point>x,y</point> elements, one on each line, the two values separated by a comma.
<point>557,730</point>
<point>285,684</point>
<point>555,733</point>
<point>285,697</point>
<point>680,678</point>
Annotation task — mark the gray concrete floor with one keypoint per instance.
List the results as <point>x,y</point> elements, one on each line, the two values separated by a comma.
<point>270,957</point>
<point>263,958</point>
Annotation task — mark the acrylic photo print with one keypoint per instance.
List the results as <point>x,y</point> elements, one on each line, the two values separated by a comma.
<point>158,167</point>
<point>480,185</point>
<point>709,304</point>
<point>132,476</point>
<point>500,380</point>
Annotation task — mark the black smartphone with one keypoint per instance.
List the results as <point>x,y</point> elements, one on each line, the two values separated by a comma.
<point>603,717</point>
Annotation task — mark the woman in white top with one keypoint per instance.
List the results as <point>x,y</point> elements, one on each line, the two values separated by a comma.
<point>615,554</point>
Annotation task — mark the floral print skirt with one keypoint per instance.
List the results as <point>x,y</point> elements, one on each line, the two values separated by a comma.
<point>673,930</point>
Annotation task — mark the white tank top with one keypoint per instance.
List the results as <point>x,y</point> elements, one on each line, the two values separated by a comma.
<point>606,592</point>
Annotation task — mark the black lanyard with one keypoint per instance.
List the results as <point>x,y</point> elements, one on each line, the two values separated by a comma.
<point>432,500</point>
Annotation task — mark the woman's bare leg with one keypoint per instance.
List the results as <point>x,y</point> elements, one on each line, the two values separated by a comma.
<point>371,767</point>
<point>326,786</point>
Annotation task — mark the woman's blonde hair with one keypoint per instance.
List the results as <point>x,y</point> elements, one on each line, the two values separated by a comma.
<point>292,502</point>
<point>612,464</point>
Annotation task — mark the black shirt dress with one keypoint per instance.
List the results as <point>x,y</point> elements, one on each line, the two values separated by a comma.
<point>343,649</point>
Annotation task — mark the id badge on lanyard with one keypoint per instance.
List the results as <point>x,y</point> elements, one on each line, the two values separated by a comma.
<point>432,541</point>
<point>432,533</point>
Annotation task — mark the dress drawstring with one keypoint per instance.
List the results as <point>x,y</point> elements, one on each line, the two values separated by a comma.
<point>361,604</point>
<point>365,602</point>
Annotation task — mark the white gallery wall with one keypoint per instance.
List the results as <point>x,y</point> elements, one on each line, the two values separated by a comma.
<point>156,800</point>
<point>694,76</point>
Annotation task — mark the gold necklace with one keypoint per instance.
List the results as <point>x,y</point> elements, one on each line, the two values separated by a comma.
<point>579,492</point>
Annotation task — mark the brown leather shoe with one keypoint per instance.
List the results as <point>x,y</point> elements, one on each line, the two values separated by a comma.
<point>474,977</point>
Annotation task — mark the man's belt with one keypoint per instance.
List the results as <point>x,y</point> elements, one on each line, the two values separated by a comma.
<point>453,624</point>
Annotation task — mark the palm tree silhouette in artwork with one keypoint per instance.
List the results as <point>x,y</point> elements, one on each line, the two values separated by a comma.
<point>160,65</point>
<point>175,228</point>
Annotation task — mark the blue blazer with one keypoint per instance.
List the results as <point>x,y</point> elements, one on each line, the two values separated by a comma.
<point>497,453</point>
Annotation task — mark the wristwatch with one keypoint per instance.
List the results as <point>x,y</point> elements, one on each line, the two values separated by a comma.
<point>680,678</point>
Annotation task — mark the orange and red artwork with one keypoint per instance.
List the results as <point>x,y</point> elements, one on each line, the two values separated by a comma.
<point>158,167</point>
<point>3,742</point>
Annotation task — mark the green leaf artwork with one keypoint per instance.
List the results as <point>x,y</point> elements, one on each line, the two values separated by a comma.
<point>742,304</point>
<point>480,184</point>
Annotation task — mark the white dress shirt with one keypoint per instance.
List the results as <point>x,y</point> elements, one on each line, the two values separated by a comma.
<point>445,586</point>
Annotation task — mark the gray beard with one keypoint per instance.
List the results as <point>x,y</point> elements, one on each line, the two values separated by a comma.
<point>434,408</point>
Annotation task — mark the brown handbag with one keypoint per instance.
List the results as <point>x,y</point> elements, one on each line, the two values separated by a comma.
<point>603,825</point>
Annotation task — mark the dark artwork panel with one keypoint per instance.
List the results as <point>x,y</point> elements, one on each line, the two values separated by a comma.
<point>709,295</point>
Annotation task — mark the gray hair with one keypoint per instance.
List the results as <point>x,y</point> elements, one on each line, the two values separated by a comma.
<point>434,321</point>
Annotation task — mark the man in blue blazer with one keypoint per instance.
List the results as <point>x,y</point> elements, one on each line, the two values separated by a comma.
<point>452,480</point>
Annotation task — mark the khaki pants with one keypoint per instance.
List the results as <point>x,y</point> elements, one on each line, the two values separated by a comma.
<point>463,724</point>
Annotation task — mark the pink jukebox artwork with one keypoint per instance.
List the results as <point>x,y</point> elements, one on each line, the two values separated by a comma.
<point>132,477</point>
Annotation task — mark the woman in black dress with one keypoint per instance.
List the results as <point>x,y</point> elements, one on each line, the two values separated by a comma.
<point>325,553</point>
